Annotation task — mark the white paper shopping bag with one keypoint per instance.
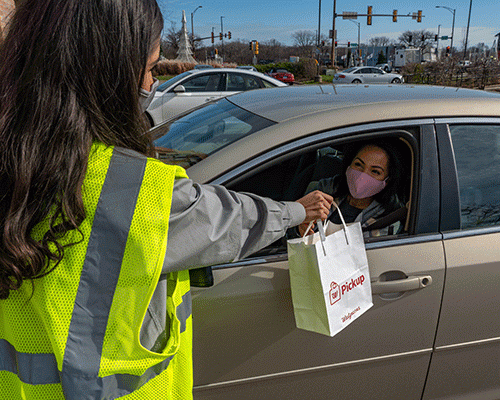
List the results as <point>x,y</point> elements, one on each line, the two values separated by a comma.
<point>329,278</point>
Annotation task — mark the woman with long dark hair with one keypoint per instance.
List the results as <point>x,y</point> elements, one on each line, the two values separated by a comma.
<point>93,302</point>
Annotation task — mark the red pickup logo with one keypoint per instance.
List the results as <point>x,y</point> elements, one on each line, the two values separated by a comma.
<point>334,293</point>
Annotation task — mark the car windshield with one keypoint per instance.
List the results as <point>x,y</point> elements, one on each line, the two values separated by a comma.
<point>190,138</point>
<point>165,85</point>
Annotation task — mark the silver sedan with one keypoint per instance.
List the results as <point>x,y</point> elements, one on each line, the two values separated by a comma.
<point>367,75</point>
<point>198,86</point>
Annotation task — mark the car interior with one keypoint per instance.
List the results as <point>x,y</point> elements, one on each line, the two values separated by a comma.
<point>292,178</point>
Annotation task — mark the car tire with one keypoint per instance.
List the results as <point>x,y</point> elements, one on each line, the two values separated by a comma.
<point>356,81</point>
<point>396,80</point>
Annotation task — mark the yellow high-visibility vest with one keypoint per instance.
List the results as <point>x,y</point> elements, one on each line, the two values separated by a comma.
<point>76,336</point>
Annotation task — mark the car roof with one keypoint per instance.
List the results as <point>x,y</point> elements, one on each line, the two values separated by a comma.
<point>299,102</point>
<point>304,110</point>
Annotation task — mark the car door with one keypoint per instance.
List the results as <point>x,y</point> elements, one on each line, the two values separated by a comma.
<point>192,92</point>
<point>246,344</point>
<point>367,75</point>
<point>466,362</point>
<point>379,76</point>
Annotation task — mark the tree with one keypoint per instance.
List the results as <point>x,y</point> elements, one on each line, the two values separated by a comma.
<point>421,39</point>
<point>304,38</point>
<point>381,58</point>
<point>380,41</point>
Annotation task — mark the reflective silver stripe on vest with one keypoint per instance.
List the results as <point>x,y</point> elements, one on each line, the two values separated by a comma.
<point>35,369</point>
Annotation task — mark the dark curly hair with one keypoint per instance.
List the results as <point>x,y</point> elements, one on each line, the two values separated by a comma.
<point>70,72</point>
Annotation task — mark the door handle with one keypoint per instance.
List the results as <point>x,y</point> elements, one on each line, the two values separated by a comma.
<point>401,285</point>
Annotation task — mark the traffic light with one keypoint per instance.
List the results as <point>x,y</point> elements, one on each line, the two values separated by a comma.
<point>229,35</point>
<point>216,51</point>
<point>336,43</point>
<point>221,36</point>
<point>369,16</point>
<point>447,50</point>
<point>419,16</point>
<point>348,44</point>
<point>394,15</point>
<point>410,37</point>
<point>423,38</point>
<point>436,38</point>
<point>250,45</point>
<point>256,47</point>
<point>213,37</point>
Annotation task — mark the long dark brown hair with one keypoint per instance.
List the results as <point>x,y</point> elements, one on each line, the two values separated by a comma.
<point>70,72</point>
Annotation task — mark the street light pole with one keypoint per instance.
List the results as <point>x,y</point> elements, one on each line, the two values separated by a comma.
<point>452,10</point>
<point>333,32</point>
<point>359,47</point>
<point>192,26</point>
<point>222,40</point>
<point>319,25</point>
<point>467,34</point>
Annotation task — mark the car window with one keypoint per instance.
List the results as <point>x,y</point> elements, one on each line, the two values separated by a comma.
<point>165,85</point>
<point>477,157</point>
<point>202,83</point>
<point>267,84</point>
<point>294,177</point>
<point>348,70</point>
<point>377,71</point>
<point>241,82</point>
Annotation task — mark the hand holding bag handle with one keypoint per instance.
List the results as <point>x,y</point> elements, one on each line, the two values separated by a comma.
<point>321,229</point>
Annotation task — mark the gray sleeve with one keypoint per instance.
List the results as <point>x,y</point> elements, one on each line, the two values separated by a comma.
<point>210,225</point>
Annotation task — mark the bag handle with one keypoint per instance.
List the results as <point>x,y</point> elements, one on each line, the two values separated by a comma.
<point>321,229</point>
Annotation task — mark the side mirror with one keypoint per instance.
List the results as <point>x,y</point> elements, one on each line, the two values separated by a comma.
<point>201,277</point>
<point>179,89</point>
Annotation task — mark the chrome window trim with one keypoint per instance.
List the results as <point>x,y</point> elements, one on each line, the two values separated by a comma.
<point>313,139</point>
<point>462,120</point>
<point>369,246</point>
<point>471,232</point>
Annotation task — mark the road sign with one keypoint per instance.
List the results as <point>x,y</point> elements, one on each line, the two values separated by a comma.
<point>350,15</point>
<point>444,37</point>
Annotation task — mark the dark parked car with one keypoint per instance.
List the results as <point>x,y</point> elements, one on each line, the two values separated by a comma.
<point>434,329</point>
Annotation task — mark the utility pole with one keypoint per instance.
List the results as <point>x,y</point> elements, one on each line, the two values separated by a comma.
<point>319,25</point>
<point>333,32</point>
<point>222,37</point>
<point>467,34</point>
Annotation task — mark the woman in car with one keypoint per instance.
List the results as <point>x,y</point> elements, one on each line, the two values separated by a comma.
<point>368,188</point>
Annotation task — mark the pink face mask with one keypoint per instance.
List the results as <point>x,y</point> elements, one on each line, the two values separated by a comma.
<point>362,185</point>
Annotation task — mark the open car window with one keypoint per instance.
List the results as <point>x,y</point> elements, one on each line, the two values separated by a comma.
<point>292,178</point>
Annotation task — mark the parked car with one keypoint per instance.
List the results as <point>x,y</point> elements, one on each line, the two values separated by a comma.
<point>433,331</point>
<point>247,67</point>
<point>367,75</point>
<point>385,66</point>
<point>282,75</point>
<point>198,86</point>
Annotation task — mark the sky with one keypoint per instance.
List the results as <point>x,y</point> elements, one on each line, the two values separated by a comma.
<point>278,19</point>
